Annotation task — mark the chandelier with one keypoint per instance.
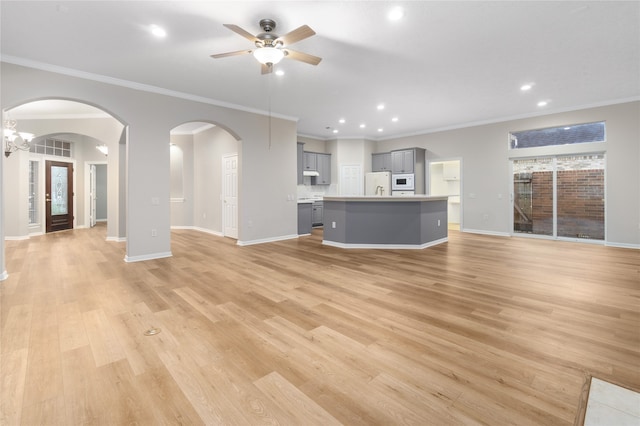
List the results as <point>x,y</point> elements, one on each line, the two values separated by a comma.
<point>14,140</point>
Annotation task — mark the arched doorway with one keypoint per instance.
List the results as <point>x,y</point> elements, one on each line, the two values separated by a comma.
<point>204,169</point>
<point>66,132</point>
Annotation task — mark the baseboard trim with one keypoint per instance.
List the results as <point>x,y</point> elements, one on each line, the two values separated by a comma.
<point>207,231</point>
<point>385,246</point>
<point>18,238</point>
<point>131,259</point>
<point>117,239</point>
<point>199,229</point>
<point>267,240</point>
<point>623,245</point>
<point>481,232</point>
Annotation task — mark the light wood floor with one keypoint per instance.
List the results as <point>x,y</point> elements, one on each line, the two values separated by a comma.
<point>479,330</point>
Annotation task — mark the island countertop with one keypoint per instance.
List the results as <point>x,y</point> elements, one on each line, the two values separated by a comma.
<point>387,198</point>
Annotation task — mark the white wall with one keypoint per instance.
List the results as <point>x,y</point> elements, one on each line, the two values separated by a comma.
<point>487,182</point>
<point>268,162</point>
<point>182,209</point>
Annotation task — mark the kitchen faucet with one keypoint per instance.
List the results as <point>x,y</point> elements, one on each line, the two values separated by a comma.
<point>381,188</point>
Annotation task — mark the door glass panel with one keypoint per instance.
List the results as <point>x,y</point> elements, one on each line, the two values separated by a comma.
<point>58,190</point>
<point>533,196</point>
<point>580,192</point>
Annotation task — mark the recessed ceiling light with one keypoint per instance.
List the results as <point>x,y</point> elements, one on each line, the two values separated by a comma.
<point>526,87</point>
<point>341,121</point>
<point>395,14</point>
<point>335,130</point>
<point>380,129</point>
<point>280,72</point>
<point>380,107</point>
<point>158,31</point>
<point>394,119</point>
<point>362,126</point>
<point>542,103</point>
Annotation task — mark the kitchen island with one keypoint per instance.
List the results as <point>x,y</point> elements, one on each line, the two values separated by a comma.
<point>408,222</point>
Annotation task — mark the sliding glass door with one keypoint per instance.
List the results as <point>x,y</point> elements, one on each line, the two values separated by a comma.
<point>559,196</point>
<point>580,194</point>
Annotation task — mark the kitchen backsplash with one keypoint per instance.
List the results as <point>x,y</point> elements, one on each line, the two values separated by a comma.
<point>313,191</point>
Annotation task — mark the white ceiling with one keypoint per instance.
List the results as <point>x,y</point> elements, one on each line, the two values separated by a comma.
<point>443,65</point>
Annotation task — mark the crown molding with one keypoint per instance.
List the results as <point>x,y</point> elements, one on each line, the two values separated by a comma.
<point>15,60</point>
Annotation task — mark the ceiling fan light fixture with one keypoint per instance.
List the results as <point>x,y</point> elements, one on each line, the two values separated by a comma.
<point>268,55</point>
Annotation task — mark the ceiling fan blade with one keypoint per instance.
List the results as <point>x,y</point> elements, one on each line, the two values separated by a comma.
<point>224,55</point>
<point>266,69</point>
<point>303,57</point>
<point>296,35</point>
<point>246,34</point>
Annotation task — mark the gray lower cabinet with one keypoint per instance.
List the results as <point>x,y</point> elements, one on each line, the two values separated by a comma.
<point>304,218</point>
<point>317,213</point>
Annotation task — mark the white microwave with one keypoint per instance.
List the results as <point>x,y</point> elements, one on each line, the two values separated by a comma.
<point>403,182</point>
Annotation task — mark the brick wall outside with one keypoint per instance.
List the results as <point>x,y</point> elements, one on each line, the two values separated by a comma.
<point>542,202</point>
<point>580,203</point>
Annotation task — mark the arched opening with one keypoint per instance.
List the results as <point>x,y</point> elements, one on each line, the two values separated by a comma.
<point>204,168</point>
<point>65,133</point>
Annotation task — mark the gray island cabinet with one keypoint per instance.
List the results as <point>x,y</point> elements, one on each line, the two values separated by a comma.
<point>412,222</point>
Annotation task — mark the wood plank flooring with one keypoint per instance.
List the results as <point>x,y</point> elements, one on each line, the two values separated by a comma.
<point>479,330</point>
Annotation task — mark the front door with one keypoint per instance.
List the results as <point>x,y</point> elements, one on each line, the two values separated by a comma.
<point>59,196</point>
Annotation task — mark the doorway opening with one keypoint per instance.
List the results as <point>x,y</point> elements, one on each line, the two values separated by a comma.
<point>67,132</point>
<point>445,179</point>
<point>96,175</point>
<point>204,172</point>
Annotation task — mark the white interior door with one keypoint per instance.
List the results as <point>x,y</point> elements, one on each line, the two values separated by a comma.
<point>230,195</point>
<point>92,195</point>
<point>351,180</point>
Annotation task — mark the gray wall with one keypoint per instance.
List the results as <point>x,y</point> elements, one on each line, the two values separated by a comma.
<point>268,162</point>
<point>101,192</point>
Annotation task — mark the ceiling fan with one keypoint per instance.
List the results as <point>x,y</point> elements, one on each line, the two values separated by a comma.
<point>271,48</point>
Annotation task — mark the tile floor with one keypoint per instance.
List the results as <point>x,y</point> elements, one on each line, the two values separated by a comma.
<point>611,405</point>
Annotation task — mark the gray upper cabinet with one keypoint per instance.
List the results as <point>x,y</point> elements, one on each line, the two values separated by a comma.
<point>381,162</point>
<point>402,161</point>
<point>323,162</point>
<point>310,161</point>
<point>300,153</point>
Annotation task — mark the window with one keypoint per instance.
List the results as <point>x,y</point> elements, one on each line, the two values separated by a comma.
<point>50,146</point>
<point>33,193</point>
<point>564,135</point>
